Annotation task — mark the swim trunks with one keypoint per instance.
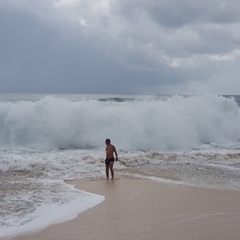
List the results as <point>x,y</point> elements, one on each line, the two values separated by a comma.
<point>107,161</point>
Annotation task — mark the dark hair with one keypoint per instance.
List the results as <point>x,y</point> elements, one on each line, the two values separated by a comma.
<point>108,140</point>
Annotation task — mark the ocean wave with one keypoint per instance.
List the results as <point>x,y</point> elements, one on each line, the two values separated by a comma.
<point>153,123</point>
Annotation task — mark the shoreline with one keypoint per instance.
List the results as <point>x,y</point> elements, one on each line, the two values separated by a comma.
<point>143,209</point>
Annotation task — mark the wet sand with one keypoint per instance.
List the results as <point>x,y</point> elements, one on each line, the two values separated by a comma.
<point>137,209</point>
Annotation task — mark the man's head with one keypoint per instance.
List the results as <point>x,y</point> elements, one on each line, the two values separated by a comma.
<point>107,141</point>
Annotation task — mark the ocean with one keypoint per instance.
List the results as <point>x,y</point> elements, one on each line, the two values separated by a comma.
<point>47,139</point>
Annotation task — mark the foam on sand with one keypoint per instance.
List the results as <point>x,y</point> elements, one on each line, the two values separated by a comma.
<point>53,213</point>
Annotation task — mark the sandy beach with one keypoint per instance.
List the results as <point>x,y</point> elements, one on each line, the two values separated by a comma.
<point>147,210</point>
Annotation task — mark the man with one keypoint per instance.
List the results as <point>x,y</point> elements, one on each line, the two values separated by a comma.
<point>110,151</point>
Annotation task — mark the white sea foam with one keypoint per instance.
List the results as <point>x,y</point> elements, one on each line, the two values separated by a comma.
<point>49,213</point>
<point>32,191</point>
<point>172,124</point>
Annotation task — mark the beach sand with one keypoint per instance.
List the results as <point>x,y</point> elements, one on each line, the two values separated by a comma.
<point>142,209</point>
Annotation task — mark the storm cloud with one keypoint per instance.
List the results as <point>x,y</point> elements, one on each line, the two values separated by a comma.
<point>126,47</point>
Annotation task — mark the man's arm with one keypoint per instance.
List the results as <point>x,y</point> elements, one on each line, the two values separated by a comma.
<point>115,151</point>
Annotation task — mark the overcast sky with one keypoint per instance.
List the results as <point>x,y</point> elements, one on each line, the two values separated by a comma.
<point>120,46</point>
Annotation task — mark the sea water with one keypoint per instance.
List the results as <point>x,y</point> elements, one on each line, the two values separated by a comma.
<point>46,139</point>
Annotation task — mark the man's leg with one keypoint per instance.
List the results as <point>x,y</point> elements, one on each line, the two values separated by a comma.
<point>111,169</point>
<point>107,170</point>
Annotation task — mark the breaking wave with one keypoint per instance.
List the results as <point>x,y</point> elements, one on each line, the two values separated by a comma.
<point>147,123</point>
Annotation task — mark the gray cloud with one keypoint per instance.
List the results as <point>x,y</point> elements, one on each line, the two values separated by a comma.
<point>172,13</point>
<point>106,46</point>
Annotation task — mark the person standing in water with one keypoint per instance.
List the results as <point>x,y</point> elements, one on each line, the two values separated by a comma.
<point>110,151</point>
